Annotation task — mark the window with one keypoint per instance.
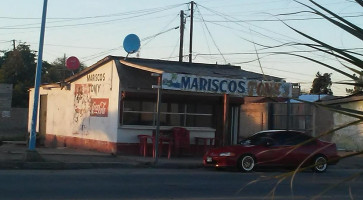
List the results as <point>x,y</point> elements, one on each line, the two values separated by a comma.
<point>296,138</point>
<point>136,112</point>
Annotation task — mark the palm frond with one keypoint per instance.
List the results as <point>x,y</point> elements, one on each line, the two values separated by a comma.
<point>360,2</point>
<point>321,63</point>
<point>351,28</point>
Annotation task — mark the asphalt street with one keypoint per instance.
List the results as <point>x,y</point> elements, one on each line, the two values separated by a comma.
<point>151,183</point>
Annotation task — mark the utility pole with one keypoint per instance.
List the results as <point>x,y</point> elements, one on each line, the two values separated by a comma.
<point>64,67</point>
<point>181,36</point>
<point>14,47</point>
<point>38,73</point>
<point>191,31</point>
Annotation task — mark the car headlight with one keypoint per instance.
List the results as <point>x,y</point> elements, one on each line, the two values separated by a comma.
<point>227,154</point>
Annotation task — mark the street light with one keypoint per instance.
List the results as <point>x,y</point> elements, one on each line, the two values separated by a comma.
<point>158,102</point>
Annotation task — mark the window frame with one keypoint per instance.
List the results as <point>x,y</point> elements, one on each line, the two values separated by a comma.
<point>184,115</point>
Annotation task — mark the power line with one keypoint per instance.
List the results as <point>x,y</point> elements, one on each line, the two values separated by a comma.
<point>149,12</point>
<point>214,42</point>
<point>90,57</point>
<point>278,20</point>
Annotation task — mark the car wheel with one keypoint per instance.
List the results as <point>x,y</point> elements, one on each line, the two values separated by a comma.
<point>320,164</point>
<point>246,163</point>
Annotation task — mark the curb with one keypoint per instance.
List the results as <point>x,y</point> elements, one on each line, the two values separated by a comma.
<point>94,165</point>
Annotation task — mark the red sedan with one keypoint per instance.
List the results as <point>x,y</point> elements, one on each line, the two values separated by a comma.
<point>274,148</point>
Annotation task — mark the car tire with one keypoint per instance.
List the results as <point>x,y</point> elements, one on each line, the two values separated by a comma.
<point>320,164</point>
<point>246,163</point>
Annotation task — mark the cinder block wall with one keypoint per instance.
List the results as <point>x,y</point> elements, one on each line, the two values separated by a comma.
<point>14,124</point>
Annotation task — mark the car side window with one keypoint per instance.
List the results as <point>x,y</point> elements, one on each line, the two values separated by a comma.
<point>297,138</point>
<point>279,138</point>
<point>255,139</point>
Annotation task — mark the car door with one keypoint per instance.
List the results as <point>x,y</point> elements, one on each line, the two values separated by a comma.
<point>282,149</point>
<point>274,152</point>
<point>300,150</point>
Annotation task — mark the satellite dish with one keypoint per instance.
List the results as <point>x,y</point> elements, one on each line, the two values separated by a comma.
<point>131,43</point>
<point>72,63</point>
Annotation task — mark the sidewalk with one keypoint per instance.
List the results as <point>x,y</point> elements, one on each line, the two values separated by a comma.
<point>12,156</point>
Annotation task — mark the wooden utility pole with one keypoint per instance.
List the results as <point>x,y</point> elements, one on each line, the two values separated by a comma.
<point>14,46</point>
<point>191,31</point>
<point>181,36</point>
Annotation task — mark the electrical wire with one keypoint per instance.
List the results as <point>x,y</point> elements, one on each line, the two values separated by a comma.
<point>214,42</point>
<point>288,19</point>
<point>93,56</point>
<point>149,12</point>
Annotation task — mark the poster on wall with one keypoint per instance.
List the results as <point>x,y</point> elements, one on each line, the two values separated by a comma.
<point>238,87</point>
<point>99,107</point>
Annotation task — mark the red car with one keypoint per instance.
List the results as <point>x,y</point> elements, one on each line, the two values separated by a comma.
<point>274,148</point>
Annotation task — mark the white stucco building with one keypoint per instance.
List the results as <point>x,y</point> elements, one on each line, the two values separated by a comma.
<point>106,106</point>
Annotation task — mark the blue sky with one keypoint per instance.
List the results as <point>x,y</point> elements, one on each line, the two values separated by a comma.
<point>223,31</point>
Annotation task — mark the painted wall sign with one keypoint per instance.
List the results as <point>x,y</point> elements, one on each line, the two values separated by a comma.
<point>99,107</point>
<point>96,77</point>
<point>239,87</point>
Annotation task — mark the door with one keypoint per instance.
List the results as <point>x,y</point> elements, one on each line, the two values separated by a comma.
<point>234,116</point>
<point>42,119</point>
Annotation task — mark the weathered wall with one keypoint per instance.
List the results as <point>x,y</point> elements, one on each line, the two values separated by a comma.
<point>253,118</point>
<point>14,124</point>
<point>13,121</point>
<point>5,97</point>
<point>323,120</point>
<point>88,109</point>
<point>349,138</point>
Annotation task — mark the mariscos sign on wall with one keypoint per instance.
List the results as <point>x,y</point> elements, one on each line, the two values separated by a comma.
<point>240,87</point>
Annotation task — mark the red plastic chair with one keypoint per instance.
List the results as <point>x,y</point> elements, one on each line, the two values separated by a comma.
<point>143,144</point>
<point>181,140</point>
<point>164,138</point>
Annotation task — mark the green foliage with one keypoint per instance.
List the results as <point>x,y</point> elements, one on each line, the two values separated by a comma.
<point>357,87</point>
<point>56,71</point>
<point>18,67</point>
<point>322,84</point>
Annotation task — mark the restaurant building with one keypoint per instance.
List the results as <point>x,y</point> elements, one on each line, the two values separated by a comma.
<point>107,105</point>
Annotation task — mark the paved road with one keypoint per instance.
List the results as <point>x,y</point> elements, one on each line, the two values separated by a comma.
<point>171,184</point>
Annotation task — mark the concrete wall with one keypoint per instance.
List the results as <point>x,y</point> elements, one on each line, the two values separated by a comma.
<point>253,118</point>
<point>6,92</point>
<point>13,121</point>
<point>349,138</point>
<point>14,125</point>
<point>79,110</point>
<point>323,120</point>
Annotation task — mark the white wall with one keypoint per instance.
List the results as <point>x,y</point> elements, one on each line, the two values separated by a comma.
<point>69,111</point>
<point>129,133</point>
<point>351,137</point>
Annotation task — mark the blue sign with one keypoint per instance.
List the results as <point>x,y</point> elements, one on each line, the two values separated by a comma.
<point>239,87</point>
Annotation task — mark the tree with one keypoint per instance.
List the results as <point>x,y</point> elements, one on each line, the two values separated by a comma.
<point>322,84</point>
<point>18,68</point>
<point>57,71</point>
<point>357,88</point>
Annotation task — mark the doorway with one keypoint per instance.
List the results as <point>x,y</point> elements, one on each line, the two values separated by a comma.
<point>234,123</point>
<point>42,119</point>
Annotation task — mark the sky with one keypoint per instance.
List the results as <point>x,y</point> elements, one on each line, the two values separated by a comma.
<point>225,32</point>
